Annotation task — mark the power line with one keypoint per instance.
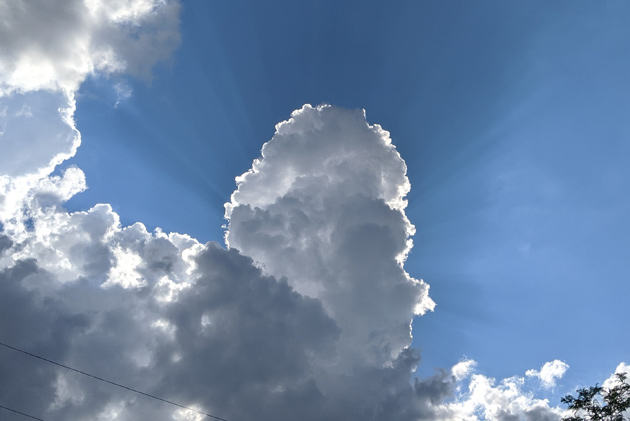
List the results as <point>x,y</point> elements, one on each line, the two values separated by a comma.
<point>110,382</point>
<point>21,413</point>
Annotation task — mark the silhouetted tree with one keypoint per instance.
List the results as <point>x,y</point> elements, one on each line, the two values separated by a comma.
<point>597,403</point>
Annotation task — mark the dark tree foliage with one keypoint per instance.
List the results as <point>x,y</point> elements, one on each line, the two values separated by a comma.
<point>597,403</point>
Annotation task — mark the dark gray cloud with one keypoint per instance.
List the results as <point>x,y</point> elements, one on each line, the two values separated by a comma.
<point>5,243</point>
<point>235,341</point>
<point>38,323</point>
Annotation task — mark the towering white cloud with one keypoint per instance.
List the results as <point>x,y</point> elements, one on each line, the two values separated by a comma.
<point>324,207</point>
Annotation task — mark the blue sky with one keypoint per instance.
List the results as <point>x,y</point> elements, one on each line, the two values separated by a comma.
<point>511,118</point>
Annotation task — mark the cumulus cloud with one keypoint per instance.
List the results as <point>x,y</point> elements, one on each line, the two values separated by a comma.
<point>305,315</point>
<point>48,49</point>
<point>212,328</point>
<point>241,337</point>
<point>37,133</point>
<point>54,45</point>
<point>271,336</point>
<point>612,381</point>
<point>503,401</point>
<point>324,207</point>
<point>162,313</point>
<point>549,372</point>
<point>37,118</point>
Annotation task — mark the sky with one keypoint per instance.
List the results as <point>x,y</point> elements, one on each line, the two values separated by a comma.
<point>302,210</point>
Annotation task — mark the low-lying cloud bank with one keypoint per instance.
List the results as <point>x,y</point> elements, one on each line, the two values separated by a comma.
<point>305,315</point>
